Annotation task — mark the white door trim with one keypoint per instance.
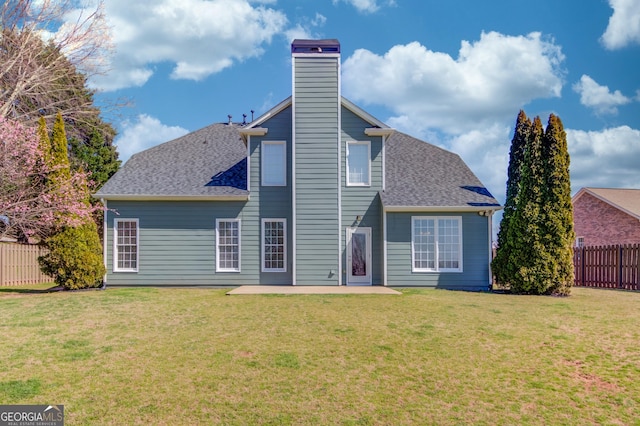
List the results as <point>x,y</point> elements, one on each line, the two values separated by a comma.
<point>363,276</point>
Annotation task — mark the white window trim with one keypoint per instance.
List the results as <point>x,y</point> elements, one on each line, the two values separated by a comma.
<point>580,242</point>
<point>116,222</point>
<point>437,254</point>
<point>218,268</point>
<point>262,259</point>
<point>284,163</point>
<point>368,144</point>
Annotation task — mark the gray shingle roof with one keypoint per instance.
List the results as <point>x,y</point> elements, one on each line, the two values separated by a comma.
<point>210,162</point>
<point>419,174</point>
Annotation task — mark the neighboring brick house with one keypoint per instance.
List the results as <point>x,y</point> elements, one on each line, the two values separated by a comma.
<point>606,216</point>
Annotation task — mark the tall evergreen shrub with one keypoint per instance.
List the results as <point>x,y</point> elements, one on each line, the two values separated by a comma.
<point>501,266</point>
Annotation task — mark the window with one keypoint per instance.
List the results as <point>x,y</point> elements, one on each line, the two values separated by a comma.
<point>228,245</point>
<point>580,242</point>
<point>358,164</point>
<point>274,163</point>
<point>436,244</point>
<point>274,245</point>
<point>125,245</point>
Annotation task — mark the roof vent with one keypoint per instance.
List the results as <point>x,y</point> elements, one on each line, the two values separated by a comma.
<point>229,116</point>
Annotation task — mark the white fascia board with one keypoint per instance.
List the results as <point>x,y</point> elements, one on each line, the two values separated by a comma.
<point>376,131</point>
<point>255,131</point>
<point>604,200</point>
<point>362,114</point>
<point>315,55</point>
<point>267,115</point>
<point>438,209</point>
<point>143,197</point>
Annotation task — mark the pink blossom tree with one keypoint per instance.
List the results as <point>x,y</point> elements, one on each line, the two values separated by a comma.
<point>29,208</point>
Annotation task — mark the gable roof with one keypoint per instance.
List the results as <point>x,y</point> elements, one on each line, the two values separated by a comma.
<point>343,101</point>
<point>209,163</point>
<point>626,200</point>
<point>421,176</point>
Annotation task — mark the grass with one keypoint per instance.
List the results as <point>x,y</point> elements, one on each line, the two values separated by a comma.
<point>196,356</point>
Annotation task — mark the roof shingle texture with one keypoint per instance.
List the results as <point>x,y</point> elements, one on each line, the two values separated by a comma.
<point>627,199</point>
<point>208,162</point>
<point>212,162</point>
<point>419,174</point>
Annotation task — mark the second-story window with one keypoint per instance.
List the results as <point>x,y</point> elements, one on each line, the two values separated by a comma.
<point>358,163</point>
<point>274,163</point>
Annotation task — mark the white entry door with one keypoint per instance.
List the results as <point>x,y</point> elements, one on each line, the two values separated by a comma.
<point>358,256</point>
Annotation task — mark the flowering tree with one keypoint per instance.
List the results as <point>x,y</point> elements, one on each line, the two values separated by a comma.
<point>29,208</point>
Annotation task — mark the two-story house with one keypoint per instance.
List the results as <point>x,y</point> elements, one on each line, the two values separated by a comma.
<point>314,192</point>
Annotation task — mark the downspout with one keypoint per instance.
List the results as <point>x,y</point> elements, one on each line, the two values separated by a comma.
<point>104,242</point>
<point>490,224</point>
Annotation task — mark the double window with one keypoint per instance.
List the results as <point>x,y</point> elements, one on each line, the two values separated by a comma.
<point>274,163</point>
<point>125,245</point>
<point>228,245</point>
<point>436,244</point>
<point>274,245</point>
<point>358,163</point>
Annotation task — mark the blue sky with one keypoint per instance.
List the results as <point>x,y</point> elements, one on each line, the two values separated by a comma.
<point>454,73</point>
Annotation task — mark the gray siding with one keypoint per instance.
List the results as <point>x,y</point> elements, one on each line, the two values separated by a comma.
<point>177,239</point>
<point>271,202</point>
<point>475,255</point>
<point>362,201</point>
<point>316,102</point>
<point>177,243</point>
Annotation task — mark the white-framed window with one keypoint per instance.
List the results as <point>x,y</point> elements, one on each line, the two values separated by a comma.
<point>227,245</point>
<point>125,245</point>
<point>358,163</point>
<point>579,242</point>
<point>436,244</point>
<point>274,245</point>
<point>274,163</point>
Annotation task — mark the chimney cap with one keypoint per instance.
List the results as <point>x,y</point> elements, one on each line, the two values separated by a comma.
<point>315,46</point>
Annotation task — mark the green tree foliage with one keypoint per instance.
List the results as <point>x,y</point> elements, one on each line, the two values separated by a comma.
<point>529,255</point>
<point>75,252</point>
<point>60,167</point>
<point>501,266</point>
<point>41,78</point>
<point>557,207</point>
<point>95,156</point>
<point>74,259</point>
<point>536,254</point>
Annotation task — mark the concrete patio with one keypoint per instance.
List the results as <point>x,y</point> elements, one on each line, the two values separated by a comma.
<point>305,289</point>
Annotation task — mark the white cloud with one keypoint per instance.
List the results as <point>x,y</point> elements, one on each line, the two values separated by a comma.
<point>366,6</point>
<point>199,37</point>
<point>599,97</point>
<point>624,24</point>
<point>607,158</point>
<point>143,133</point>
<point>489,81</point>
<point>486,152</point>
<point>304,29</point>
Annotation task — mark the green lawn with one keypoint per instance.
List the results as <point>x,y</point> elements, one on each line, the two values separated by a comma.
<point>196,356</point>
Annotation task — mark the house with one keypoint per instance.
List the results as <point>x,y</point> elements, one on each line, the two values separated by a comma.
<point>606,216</point>
<point>314,192</point>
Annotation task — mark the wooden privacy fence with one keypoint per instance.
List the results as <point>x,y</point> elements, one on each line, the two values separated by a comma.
<point>19,264</point>
<point>607,266</point>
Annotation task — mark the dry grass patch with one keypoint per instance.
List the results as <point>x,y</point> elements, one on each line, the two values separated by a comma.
<point>189,356</point>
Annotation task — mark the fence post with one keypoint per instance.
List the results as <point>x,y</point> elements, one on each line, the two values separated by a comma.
<point>620,266</point>
<point>583,267</point>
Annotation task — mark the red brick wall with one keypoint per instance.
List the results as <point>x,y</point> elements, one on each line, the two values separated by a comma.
<point>601,224</point>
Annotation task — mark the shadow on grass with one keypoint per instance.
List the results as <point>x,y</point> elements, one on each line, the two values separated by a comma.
<point>43,289</point>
